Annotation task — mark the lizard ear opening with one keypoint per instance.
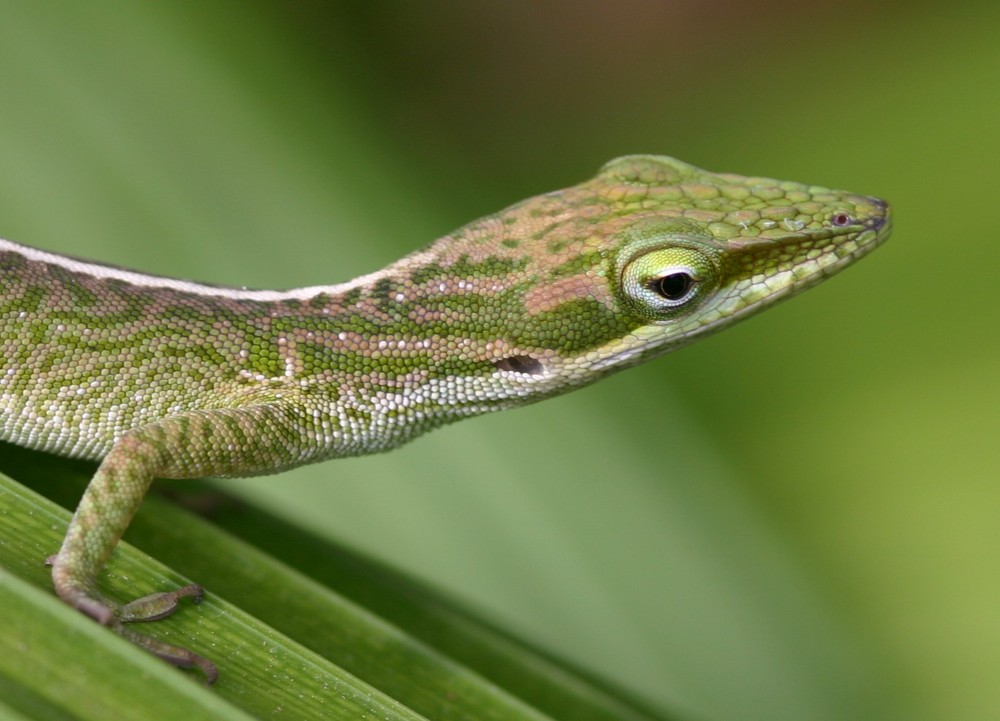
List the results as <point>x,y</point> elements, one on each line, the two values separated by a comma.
<point>520,364</point>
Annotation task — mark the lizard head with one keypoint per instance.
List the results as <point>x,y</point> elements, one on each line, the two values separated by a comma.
<point>713,249</point>
<point>654,253</point>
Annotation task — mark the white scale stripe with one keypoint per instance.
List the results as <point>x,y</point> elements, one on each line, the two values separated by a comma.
<point>98,270</point>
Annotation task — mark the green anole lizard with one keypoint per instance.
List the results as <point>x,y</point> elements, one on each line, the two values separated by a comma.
<point>158,377</point>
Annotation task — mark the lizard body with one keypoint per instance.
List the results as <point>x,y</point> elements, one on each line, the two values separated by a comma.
<point>158,377</point>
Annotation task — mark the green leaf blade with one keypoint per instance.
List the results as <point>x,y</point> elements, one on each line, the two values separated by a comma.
<point>390,649</point>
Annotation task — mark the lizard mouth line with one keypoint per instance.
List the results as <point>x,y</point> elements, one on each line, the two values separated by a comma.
<point>865,243</point>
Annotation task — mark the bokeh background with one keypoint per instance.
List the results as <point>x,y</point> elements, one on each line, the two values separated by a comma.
<point>797,519</point>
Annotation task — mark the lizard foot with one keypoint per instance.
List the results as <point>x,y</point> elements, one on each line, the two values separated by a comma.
<point>148,608</point>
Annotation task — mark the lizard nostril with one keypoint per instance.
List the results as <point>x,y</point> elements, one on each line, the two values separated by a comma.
<point>882,215</point>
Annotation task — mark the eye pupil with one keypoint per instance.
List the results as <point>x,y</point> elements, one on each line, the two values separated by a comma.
<point>673,286</point>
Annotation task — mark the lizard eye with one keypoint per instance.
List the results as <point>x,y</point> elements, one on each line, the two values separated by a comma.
<point>663,283</point>
<point>842,220</point>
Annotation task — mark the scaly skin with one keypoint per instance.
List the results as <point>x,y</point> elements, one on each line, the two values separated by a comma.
<point>165,378</point>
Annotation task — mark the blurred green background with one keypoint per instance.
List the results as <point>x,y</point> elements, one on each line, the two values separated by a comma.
<point>797,519</point>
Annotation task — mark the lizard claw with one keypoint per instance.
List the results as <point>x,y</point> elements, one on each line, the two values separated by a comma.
<point>176,655</point>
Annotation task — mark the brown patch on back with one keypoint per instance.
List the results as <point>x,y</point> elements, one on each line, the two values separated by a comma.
<point>550,296</point>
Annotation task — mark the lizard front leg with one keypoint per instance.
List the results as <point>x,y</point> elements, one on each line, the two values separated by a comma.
<point>217,442</point>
